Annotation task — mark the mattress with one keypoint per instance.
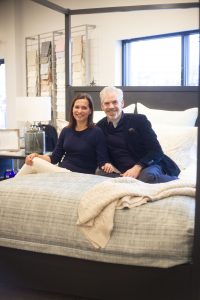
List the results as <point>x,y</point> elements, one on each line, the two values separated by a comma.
<point>38,212</point>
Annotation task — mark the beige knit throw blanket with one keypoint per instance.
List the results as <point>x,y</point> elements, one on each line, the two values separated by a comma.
<point>97,207</point>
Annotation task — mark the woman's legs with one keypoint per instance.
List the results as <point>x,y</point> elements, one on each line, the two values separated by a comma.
<point>40,166</point>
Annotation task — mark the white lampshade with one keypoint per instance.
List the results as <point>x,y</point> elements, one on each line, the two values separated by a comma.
<point>33,109</point>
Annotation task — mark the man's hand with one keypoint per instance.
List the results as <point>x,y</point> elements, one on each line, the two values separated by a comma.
<point>133,172</point>
<point>108,168</point>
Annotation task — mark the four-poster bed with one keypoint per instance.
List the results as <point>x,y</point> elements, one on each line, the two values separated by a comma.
<point>42,263</point>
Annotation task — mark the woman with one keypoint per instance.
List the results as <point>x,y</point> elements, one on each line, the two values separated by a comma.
<point>80,148</point>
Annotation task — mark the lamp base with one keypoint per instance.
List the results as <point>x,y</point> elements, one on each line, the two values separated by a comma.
<point>35,141</point>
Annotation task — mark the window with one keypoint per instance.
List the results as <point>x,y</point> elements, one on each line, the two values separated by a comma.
<point>193,59</point>
<point>2,94</point>
<point>164,60</point>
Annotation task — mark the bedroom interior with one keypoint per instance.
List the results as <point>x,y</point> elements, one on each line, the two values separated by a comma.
<point>92,275</point>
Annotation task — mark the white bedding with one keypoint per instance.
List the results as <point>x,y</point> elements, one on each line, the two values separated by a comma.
<point>38,212</point>
<point>179,143</point>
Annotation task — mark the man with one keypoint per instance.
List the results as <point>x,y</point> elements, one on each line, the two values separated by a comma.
<point>133,146</point>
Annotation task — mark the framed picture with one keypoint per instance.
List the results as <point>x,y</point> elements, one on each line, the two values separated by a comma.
<point>9,140</point>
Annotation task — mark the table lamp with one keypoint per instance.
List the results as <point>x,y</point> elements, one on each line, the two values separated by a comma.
<point>34,110</point>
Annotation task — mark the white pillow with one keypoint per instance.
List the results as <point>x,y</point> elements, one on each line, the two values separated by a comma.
<point>129,109</point>
<point>98,115</point>
<point>179,143</point>
<point>179,118</point>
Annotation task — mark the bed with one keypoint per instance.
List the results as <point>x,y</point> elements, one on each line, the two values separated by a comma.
<point>152,250</point>
<point>43,248</point>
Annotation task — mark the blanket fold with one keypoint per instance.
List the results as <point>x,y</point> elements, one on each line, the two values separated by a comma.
<point>97,208</point>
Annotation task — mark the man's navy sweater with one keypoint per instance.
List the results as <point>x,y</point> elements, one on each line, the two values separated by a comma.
<point>132,142</point>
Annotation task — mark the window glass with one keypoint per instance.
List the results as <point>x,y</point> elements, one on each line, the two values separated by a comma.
<point>155,62</point>
<point>167,60</point>
<point>2,95</point>
<point>193,60</point>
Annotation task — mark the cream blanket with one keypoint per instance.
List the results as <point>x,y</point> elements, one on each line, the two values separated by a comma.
<point>97,207</point>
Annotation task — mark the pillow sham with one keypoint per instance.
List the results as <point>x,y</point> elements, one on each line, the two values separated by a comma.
<point>179,143</point>
<point>98,115</point>
<point>186,117</point>
<point>130,108</point>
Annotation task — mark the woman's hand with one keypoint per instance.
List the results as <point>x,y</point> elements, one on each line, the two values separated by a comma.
<point>108,168</point>
<point>29,158</point>
<point>133,172</point>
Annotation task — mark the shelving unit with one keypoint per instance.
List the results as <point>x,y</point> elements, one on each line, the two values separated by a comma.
<point>45,65</point>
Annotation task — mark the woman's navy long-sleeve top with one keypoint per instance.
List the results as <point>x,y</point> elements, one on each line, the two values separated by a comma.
<point>80,151</point>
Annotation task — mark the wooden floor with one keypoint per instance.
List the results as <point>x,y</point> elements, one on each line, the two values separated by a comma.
<point>8,293</point>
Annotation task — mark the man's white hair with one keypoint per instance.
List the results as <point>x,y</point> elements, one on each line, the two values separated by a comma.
<point>110,90</point>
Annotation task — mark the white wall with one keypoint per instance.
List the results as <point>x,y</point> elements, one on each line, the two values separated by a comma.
<point>118,26</point>
<point>8,51</point>
<point>23,18</point>
<point>19,19</point>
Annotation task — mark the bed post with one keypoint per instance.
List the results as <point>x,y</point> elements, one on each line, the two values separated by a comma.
<point>196,243</point>
<point>67,62</point>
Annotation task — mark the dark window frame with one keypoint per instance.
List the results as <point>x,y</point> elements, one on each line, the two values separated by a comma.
<point>184,50</point>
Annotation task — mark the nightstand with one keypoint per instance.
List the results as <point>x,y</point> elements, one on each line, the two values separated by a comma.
<point>11,160</point>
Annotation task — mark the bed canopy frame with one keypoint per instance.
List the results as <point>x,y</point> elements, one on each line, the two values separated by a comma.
<point>67,14</point>
<point>194,268</point>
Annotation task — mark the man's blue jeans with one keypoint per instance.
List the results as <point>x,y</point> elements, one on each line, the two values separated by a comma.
<point>155,174</point>
<point>151,174</point>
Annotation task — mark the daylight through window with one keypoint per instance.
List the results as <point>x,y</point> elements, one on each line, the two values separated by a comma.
<point>167,60</point>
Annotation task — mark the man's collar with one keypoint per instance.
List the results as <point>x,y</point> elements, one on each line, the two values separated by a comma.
<point>116,121</point>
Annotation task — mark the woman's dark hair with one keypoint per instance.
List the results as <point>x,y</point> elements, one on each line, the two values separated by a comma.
<point>72,121</point>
